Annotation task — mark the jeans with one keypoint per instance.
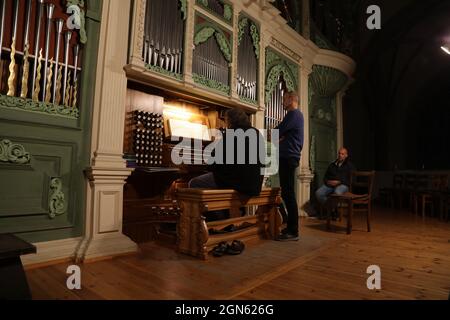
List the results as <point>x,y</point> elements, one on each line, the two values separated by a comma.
<point>324,191</point>
<point>205,181</point>
<point>287,169</point>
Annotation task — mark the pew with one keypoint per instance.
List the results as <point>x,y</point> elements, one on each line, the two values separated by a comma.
<point>193,235</point>
<point>13,281</point>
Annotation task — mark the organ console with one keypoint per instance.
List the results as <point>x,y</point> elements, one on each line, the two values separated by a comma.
<point>155,123</point>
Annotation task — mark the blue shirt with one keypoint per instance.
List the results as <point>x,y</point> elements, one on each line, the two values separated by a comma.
<point>291,135</point>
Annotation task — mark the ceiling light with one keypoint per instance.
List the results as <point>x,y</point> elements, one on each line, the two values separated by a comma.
<point>446,49</point>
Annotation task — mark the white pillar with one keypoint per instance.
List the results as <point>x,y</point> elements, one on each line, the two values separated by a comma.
<point>103,230</point>
<point>137,33</point>
<point>189,42</point>
<point>305,176</point>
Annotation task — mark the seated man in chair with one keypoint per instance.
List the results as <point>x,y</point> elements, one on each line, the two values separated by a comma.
<point>337,178</point>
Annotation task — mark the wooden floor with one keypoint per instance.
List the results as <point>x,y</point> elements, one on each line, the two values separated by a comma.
<point>413,254</point>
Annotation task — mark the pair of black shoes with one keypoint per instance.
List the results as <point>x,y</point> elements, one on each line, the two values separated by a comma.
<point>234,248</point>
<point>287,235</point>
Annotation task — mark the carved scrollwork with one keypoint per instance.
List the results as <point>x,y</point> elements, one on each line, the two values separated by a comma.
<point>13,153</point>
<point>30,105</point>
<point>243,22</point>
<point>227,12</point>
<point>76,8</point>
<point>255,37</point>
<point>183,8</point>
<point>212,84</point>
<point>203,35</point>
<point>272,79</point>
<point>224,45</point>
<point>327,81</point>
<point>57,201</point>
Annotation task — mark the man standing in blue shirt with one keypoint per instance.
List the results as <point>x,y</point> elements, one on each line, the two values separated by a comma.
<point>291,144</point>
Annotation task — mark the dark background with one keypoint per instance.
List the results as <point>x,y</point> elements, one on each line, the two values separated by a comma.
<point>397,111</point>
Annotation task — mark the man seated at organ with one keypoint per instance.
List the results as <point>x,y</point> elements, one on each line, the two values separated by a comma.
<point>337,177</point>
<point>242,168</point>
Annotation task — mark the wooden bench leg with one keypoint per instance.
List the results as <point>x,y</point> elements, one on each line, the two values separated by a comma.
<point>192,231</point>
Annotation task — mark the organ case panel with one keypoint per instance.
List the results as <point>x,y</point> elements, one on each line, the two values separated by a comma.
<point>163,36</point>
<point>212,55</point>
<point>248,60</point>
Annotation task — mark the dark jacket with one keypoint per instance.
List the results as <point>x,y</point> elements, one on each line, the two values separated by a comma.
<point>291,130</point>
<point>341,173</point>
<point>245,178</point>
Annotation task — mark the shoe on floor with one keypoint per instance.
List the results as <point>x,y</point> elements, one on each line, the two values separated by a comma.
<point>288,237</point>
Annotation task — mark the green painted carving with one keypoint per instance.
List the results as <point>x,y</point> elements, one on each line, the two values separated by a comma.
<point>322,42</point>
<point>76,8</point>
<point>212,84</point>
<point>241,29</point>
<point>227,12</point>
<point>160,70</point>
<point>294,71</point>
<point>203,3</point>
<point>243,23</point>
<point>247,100</point>
<point>30,105</point>
<point>183,8</point>
<point>203,35</point>
<point>272,79</point>
<point>205,32</point>
<point>289,69</point>
<point>13,153</point>
<point>57,202</point>
<point>327,81</point>
<point>255,37</point>
<point>271,59</point>
<point>224,45</point>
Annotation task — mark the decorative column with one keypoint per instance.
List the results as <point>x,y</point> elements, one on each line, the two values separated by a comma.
<point>103,230</point>
<point>234,62</point>
<point>189,42</point>
<point>137,33</point>
<point>305,176</point>
<point>264,42</point>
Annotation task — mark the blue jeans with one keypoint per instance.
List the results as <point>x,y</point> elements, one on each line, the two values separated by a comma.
<point>324,191</point>
<point>205,181</point>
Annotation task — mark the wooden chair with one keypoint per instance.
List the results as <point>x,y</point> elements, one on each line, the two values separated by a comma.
<point>444,198</point>
<point>445,206</point>
<point>358,199</point>
<point>426,192</point>
<point>408,189</point>
<point>393,194</point>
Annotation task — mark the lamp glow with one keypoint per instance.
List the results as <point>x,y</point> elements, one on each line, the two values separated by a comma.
<point>445,49</point>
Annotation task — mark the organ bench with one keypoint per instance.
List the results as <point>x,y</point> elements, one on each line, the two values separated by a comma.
<point>193,236</point>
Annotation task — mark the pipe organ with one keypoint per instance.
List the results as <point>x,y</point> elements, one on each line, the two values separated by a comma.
<point>191,97</point>
<point>248,59</point>
<point>163,35</point>
<point>275,112</point>
<point>209,62</point>
<point>41,55</point>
